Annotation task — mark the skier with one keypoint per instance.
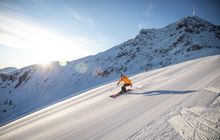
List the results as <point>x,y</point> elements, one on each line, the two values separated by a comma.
<point>127,82</point>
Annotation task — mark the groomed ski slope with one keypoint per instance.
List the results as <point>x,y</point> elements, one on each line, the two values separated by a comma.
<point>94,115</point>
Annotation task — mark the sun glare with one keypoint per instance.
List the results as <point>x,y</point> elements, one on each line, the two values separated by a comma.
<point>62,63</point>
<point>46,45</point>
<point>45,64</point>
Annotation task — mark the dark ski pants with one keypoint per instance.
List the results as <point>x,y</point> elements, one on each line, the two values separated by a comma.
<point>123,88</point>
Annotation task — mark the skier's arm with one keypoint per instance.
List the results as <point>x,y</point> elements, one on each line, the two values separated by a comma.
<point>119,82</point>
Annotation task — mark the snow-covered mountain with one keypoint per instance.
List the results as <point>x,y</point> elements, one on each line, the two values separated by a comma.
<point>33,87</point>
<point>7,70</point>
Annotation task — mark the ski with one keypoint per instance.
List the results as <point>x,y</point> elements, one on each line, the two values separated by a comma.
<point>120,93</point>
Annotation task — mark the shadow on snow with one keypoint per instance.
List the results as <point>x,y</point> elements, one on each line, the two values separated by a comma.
<point>160,92</point>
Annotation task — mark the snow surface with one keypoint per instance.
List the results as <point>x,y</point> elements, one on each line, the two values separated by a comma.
<point>162,101</point>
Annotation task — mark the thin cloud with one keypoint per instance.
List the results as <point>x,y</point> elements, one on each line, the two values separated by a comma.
<point>148,10</point>
<point>76,16</point>
<point>79,17</point>
<point>91,21</point>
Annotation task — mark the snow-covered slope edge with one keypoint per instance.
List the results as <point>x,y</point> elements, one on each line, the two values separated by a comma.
<point>32,87</point>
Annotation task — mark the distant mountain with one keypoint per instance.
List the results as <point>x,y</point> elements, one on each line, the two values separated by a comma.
<point>7,70</point>
<point>33,87</point>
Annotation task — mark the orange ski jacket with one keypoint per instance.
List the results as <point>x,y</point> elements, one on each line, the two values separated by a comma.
<point>125,80</point>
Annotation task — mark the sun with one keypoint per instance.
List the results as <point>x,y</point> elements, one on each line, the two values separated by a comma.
<point>45,64</point>
<point>43,59</point>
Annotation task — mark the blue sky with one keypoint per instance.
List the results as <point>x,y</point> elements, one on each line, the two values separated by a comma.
<point>38,31</point>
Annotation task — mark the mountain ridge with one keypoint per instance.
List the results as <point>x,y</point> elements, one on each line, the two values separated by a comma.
<point>7,70</point>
